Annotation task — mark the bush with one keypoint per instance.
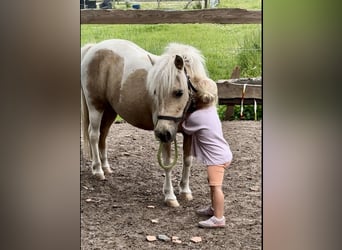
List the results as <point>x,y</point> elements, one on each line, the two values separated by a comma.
<point>248,112</point>
<point>249,57</point>
<point>249,60</point>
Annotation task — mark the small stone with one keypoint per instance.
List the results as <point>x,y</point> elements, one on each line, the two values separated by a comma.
<point>249,222</point>
<point>254,188</point>
<point>196,239</point>
<point>150,206</point>
<point>151,238</point>
<point>154,221</point>
<point>177,241</point>
<point>163,237</point>
<point>89,200</point>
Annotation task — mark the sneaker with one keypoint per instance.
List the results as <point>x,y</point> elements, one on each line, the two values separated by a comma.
<point>208,211</point>
<point>213,222</point>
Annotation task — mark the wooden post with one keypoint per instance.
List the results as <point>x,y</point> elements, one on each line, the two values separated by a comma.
<point>229,114</point>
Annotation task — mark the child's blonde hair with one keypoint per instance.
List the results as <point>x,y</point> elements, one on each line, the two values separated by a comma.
<point>206,92</point>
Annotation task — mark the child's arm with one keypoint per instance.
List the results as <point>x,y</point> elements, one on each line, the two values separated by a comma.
<point>191,124</point>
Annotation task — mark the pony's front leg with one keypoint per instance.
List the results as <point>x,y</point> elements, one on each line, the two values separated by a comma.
<point>170,198</point>
<point>185,191</point>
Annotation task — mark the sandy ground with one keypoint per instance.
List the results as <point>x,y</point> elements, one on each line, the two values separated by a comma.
<point>117,213</point>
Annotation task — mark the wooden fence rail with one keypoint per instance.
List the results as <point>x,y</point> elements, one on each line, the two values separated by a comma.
<point>221,16</point>
<point>232,91</point>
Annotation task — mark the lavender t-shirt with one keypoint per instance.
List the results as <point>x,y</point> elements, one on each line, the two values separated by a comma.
<point>208,143</point>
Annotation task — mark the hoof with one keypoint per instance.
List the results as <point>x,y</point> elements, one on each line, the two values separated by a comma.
<point>100,176</point>
<point>172,203</point>
<point>107,170</point>
<point>186,196</point>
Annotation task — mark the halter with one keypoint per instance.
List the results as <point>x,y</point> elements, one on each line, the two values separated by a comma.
<point>191,89</point>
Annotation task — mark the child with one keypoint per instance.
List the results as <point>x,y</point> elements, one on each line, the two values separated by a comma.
<point>210,147</point>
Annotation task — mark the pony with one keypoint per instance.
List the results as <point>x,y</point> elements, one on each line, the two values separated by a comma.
<point>148,91</point>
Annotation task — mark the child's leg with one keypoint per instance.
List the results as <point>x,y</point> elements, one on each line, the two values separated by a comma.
<point>217,201</point>
<point>215,178</point>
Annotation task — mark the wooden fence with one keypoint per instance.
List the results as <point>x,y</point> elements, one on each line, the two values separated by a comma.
<point>246,91</point>
<point>231,91</point>
<point>221,16</point>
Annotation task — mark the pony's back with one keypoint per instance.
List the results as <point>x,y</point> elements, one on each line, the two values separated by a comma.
<point>85,49</point>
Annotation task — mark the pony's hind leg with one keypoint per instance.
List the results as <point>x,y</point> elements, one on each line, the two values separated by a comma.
<point>95,117</point>
<point>108,118</point>
<point>170,198</point>
<point>185,192</point>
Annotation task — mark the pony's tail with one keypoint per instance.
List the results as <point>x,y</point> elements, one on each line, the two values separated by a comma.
<point>84,110</point>
<point>85,124</point>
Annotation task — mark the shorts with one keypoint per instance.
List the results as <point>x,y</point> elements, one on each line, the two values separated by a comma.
<point>216,173</point>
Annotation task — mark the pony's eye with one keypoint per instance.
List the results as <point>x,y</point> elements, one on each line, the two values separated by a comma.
<point>178,93</point>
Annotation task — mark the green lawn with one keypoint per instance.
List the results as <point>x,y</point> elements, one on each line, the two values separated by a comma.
<point>220,44</point>
<point>223,46</point>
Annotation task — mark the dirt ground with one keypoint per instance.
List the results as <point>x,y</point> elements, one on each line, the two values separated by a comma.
<point>116,213</point>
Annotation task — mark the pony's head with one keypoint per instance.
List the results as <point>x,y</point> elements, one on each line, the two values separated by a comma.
<point>167,84</point>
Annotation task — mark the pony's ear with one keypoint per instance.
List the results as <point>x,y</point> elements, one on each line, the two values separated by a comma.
<point>179,63</point>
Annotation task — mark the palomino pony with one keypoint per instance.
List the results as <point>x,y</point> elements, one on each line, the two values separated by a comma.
<point>148,91</point>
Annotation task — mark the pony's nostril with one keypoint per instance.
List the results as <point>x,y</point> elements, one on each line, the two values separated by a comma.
<point>167,136</point>
<point>164,137</point>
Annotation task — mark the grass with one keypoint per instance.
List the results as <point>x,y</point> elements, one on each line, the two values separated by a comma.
<point>223,46</point>
<point>220,44</point>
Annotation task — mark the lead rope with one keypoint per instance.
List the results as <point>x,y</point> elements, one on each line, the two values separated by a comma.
<point>255,110</point>
<point>174,160</point>
<point>242,97</point>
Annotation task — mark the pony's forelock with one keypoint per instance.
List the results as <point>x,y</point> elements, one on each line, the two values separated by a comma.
<point>163,73</point>
<point>162,76</point>
<point>193,58</point>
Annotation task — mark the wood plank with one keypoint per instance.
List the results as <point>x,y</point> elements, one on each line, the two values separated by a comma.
<point>237,101</point>
<point>222,16</point>
<point>229,114</point>
<point>232,88</point>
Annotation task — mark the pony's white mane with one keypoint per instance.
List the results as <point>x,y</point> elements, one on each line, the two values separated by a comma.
<point>193,58</point>
<point>162,75</point>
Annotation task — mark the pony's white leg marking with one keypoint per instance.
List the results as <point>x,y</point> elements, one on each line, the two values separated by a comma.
<point>185,191</point>
<point>107,119</point>
<point>170,198</point>
<point>94,135</point>
<point>104,160</point>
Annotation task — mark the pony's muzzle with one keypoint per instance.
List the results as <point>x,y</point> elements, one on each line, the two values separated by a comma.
<point>164,136</point>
